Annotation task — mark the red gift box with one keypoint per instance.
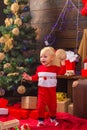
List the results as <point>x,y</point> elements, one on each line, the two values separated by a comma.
<point>84,72</point>
<point>70,65</point>
<point>15,112</point>
<point>3,102</point>
<point>24,113</point>
<point>18,112</point>
<point>34,114</point>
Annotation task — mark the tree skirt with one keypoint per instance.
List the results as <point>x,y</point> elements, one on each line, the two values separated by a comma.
<point>66,122</point>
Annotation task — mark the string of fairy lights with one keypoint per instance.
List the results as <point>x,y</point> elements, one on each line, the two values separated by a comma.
<point>50,38</point>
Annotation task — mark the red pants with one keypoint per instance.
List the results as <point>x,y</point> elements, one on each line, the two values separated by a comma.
<point>47,96</point>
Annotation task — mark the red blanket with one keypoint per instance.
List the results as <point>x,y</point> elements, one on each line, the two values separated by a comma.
<point>66,122</point>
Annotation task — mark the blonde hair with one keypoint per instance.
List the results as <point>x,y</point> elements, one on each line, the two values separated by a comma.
<point>51,50</point>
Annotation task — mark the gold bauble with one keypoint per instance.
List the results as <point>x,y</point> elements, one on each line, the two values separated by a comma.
<point>21,89</point>
<point>2,39</point>
<point>6,2</point>
<point>2,56</point>
<point>14,7</point>
<point>7,65</point>
<point>15,31</point>
<point>18,21</point>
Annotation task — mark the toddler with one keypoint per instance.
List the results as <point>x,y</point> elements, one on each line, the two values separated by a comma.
<point>46,75</point>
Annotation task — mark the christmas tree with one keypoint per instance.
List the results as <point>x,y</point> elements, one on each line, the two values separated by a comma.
<point>18,47</point>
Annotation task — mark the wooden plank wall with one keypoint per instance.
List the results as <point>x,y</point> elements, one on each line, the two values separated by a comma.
<point>70,35</point>
<point>66,37</point>
<point>46,14</point>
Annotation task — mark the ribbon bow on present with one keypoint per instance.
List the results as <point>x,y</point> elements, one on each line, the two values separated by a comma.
<point>71,56</point>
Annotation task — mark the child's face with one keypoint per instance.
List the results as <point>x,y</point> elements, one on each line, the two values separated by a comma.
<point>46,59</point>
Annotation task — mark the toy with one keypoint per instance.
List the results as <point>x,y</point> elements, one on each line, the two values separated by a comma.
<point>84,9</point>
<point>60,57</point>
<point>9,124</point>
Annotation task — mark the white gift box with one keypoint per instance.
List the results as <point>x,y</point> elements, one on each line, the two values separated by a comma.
<point>3,111</point>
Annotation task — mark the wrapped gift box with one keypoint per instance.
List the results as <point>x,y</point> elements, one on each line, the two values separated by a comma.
<point>24,113</point>
<point>9,124</point>
<point>3,111</point>
<point>15,112</point>
<point>84,72</point>
<point>3,102</point>
<point>18,113</point>
<point>62,106</point>
<point>70,108</point>
<point>29,102</point>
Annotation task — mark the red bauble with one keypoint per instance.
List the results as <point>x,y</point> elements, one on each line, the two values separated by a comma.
<point>84,12</point>
<point>84,1</point>
<point>85,61</point>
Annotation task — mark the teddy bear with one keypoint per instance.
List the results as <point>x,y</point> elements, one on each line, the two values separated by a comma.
<point>60,57</point>
<point>66,58</point>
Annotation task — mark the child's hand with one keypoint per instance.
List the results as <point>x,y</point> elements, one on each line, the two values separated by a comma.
<point>25,76</point>
<point>62,62</point>
<point>75,83</point>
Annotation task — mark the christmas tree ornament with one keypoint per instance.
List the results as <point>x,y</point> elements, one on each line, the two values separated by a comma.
<point>14,7</point>
<point>16,31</point>
<point>7,65</point>
<point>84,1</point>
<point>8,21</point>
<point>2,39</point>
<point>1,73</point>
<point>2,92</point>
<point>84,12</point>
<point>2,56</point>
<point>6,2</point>
<point>26,8</point>
<point>18,21</point>
<point>21,89</point>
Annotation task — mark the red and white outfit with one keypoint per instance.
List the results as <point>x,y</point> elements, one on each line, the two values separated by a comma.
<point>47,82</point>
